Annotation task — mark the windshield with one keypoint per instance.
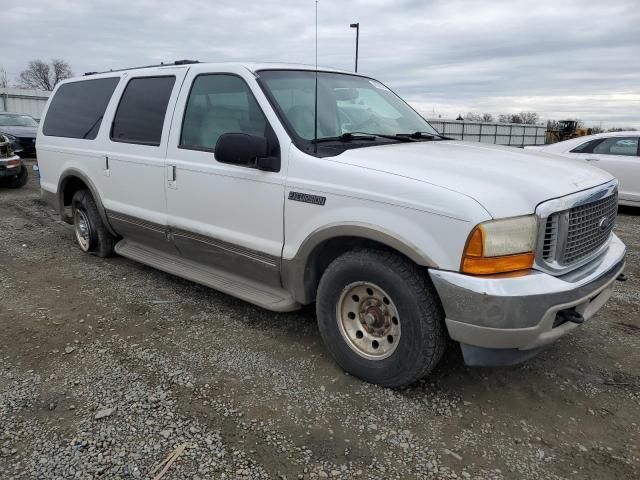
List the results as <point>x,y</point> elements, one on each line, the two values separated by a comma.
<point>346,104</point>
<point>17,121</point>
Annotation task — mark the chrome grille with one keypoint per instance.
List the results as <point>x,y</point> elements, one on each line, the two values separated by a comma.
<point>550,238</point>
<point>585,233</point>
<point>576,228</point>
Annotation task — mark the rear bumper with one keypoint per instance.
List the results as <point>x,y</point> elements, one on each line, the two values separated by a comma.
<point>7,170</point>
<point>505,319</point>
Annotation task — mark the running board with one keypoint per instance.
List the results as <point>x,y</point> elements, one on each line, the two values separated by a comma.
<point>277,300</point>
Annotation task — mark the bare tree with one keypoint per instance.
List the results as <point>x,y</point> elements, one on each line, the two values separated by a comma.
<point>510,118</point>
<point>42,76</point>
<point>4,80</point>
<point>487,117</point>
<point>530,118</point>
<point>473,117</point>
<point>479,117</point>
<point>622,129</point>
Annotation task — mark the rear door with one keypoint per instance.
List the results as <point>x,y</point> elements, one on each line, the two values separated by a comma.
<point>134,165</point>
<point>619,156</point>
<point>227,216</point>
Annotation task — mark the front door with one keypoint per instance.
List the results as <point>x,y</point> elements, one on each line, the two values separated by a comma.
<point>619,157</point>
<point>227,216</point>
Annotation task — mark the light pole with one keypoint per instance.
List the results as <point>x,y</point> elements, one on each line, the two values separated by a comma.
<point>357,27</point>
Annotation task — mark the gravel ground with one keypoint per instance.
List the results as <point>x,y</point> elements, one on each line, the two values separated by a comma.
<point>106,366</point>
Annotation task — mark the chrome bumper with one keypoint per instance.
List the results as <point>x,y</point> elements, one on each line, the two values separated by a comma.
<point>518,312</point>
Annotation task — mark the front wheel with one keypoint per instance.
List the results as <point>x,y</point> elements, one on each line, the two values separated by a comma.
<point>380,317</point>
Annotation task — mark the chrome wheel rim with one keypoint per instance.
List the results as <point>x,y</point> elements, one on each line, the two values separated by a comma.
<point>368,320</point>
<point>82,229</point>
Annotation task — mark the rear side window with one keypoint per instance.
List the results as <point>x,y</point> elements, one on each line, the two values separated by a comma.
<point>141,111</point>
<point>77,108</point>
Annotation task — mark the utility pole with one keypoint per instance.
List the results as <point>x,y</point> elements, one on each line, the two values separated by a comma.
<point>357,27</point>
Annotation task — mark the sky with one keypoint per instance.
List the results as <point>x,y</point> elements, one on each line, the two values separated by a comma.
<point>561,59</point>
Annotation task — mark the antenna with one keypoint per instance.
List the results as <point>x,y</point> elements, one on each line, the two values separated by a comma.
<point>315,108</point>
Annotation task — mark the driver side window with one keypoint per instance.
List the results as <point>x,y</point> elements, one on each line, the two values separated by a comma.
<point>218,104</point>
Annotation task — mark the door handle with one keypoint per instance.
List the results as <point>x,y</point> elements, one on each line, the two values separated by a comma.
<point>171,177</point>
<point>106,171</point>
<point>171,173</point>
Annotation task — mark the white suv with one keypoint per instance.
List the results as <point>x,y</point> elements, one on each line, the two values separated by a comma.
<point>250,179</point>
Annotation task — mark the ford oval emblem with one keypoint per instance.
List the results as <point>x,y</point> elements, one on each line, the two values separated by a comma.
<point>603,223</point>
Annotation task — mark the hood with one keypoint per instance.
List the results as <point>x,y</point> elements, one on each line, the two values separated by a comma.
<point>506,181</point>
<point>16,131</point>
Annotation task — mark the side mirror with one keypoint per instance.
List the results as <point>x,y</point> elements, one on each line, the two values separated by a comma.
<point>244,149</point>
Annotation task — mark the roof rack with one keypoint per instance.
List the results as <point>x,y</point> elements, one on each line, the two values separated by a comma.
<point>162,64</point>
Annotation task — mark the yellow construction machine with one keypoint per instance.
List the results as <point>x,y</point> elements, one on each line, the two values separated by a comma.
<point>565,130</point>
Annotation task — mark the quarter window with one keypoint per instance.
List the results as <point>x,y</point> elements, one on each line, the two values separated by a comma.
<point>618,146</point>
<point>77,108</point>
<point>141,112</point>
<point>218,104</point>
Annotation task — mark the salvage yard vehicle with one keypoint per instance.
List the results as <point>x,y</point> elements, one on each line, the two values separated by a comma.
<point>13,173</point>
<point>21,130</point>
<point>616,152</point>
<point>234,176</point>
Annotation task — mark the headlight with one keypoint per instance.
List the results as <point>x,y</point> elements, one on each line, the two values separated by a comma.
<point>11,138</point>
<point>499,246</point>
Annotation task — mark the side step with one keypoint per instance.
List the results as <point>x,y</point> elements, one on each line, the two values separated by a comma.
<point>277,300</point>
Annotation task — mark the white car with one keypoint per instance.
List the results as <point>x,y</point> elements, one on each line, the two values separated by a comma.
<point>616,152</point>
<point>285,186</point>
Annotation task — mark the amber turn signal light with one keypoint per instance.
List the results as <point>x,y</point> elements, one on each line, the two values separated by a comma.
<point>475,263</point>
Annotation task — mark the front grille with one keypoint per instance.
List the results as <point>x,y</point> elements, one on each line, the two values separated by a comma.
<point>572,235</point>
<point>586,233</point>
<point>550,238</point>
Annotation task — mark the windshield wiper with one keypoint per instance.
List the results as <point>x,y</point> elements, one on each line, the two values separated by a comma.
<point>346,137</point>
<point>419,135</point>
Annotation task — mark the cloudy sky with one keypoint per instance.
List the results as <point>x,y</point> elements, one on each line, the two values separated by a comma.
<point>562,59</point>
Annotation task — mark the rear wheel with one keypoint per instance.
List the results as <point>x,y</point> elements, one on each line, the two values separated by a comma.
<point>90,231</point>
<point>380,317</point>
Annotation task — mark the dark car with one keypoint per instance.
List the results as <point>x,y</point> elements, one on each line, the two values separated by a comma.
<point>21,131</point>
<point>13,172</point>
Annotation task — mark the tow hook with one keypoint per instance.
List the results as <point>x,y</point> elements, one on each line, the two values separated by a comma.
<point>568,315</point>
<point>622,278</point>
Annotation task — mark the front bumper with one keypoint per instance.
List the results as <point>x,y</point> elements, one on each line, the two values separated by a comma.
<point>506,319</point>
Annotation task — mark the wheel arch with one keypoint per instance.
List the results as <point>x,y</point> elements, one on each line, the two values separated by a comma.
<point>70,182</point>
<point>301,274</point>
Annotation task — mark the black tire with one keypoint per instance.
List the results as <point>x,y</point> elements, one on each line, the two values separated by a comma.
<point>19,180</point>
<point>423,339</point>
<point>100,241</point>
